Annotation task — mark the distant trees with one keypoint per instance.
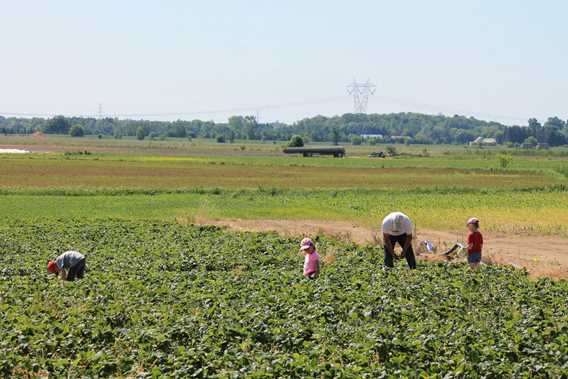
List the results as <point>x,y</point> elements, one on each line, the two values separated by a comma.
<point>554,132</point>
<point>296,141</point>
<point>177,129</point>
<point>516,134</point>
<point>77,131</point>
<point>57,125</point>
<point>555,123</point>
<point>396,128</point>
<point>534,126</point>
<point>245,127</point>
<point>356,140</point>
<point>335,135</point>
<point>140,133</point>
<point>530,141</point>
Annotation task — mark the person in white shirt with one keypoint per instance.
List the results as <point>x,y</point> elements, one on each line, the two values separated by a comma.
<point>398,228</point>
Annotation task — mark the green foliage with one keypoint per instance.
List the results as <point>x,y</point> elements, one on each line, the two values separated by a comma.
<point>296,141</point>
<point>391,151</point>
<point>504,161</point>
<point>356,140</point>
<point>531,141</point>
<point>220,139</point>
<point>117,134</point>
<point>335,135</point>
<point>76,131</point>
<point>415,128</point>
<point>57,125</point>
<point>165,299</point>
<point>140,133</point>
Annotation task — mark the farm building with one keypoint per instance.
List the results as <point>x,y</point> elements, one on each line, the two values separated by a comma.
<point>481,141</point>
<point>369,136</point>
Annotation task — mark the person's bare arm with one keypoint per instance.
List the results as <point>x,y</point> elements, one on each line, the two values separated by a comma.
<point>63,274</point>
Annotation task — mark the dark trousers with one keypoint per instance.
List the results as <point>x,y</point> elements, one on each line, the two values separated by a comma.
<point>408,254</point>
<point>77,271</point>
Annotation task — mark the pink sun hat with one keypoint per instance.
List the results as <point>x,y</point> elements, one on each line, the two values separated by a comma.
<point>306,244</point>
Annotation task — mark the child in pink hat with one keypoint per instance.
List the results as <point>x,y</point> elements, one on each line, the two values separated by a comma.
<point>311,258</point>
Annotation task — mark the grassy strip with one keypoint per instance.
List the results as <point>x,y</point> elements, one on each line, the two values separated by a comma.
<point>273,191</point>
<point>516,212</point>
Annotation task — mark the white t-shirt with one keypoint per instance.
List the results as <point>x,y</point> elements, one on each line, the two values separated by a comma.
<point>396,224</point>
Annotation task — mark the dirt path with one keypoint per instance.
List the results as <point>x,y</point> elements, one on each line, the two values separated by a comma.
<point>541,256</point>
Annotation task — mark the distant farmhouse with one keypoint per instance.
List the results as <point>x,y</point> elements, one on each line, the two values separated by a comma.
<point>369,136</point>
<point>481,141</point>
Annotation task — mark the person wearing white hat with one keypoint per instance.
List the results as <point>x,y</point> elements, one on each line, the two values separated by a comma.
<point>398,228</point>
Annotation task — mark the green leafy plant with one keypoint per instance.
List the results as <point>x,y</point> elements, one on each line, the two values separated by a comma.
<point>162,299</point>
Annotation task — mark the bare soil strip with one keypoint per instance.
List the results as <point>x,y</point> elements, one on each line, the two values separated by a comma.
<point>541,256</point>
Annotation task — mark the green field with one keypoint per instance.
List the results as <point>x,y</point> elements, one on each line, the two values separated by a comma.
<point>439,189</point>
<point>166,298</point>
<point>161,299</point>
<point>526,212</point>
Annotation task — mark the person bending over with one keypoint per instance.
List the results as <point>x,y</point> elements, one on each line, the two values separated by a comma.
<point>397,228</point>
<point>69,265</point>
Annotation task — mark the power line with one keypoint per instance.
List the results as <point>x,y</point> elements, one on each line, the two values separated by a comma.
<point>252,109</point>
<point>361,93</point>
<point>436,108</point>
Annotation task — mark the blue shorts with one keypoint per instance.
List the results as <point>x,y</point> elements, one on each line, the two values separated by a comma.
<point>473,257</point>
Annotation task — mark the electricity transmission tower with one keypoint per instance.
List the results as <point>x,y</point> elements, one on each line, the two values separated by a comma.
<point>361,92</point>
<point>100,111</point>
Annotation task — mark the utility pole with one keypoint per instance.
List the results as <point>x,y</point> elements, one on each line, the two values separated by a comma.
<point>361,92</point>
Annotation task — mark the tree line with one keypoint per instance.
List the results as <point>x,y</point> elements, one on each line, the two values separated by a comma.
<point>411,128</point>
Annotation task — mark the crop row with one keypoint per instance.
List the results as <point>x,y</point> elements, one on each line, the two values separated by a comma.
<point>165,299</point>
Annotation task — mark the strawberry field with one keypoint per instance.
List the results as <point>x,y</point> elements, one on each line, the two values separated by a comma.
<point>161,299</point>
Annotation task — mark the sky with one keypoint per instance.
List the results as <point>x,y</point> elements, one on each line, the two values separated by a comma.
<point>283,60</point>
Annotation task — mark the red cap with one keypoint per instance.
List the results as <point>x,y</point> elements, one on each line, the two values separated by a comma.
<point>52,267</point>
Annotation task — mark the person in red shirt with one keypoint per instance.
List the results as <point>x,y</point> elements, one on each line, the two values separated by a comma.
<point>474,243</point>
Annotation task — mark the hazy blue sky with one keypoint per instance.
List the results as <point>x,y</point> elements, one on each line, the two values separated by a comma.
<point>494,59</point>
